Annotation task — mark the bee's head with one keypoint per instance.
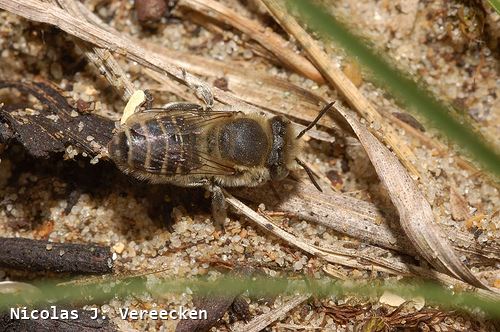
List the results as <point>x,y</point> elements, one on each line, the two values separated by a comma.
<point>284,150</point>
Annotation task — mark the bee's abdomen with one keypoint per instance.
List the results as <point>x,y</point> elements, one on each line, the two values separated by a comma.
<point>154,146</point>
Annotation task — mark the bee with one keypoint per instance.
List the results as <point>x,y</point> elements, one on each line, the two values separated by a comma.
<point>187,145</point>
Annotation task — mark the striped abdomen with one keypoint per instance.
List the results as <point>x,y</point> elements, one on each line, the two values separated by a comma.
<point>156,146</point>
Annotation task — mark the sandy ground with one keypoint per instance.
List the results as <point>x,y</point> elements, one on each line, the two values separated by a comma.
<point>440,41</point>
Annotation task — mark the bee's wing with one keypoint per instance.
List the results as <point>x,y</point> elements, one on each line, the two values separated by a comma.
<point>182,128</point>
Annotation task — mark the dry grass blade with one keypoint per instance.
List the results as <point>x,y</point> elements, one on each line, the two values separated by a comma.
<point>279,47</point>
<point>255,97</point>
<point>261,322</point>
<point>356,218</point>
<point>332,255</point>
<point>338,79</point>
<point>371,258</point>
<point>416,216</point>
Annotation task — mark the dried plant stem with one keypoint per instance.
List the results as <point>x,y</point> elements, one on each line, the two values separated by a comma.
<point>265,92</point>
<point>261,322</point>
<point>337,78</point>
<point>263,35</point>
<point>101,58</point>
<point>39,255</point>
<point>109,67</point>
<point>332,256</point>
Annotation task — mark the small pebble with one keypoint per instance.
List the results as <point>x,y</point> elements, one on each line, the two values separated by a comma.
<point>150,10</point>
<point>118,248</point>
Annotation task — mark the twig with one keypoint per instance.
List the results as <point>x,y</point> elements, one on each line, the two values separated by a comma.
<point>55,127</point>
<point>261,322</point>
<point>252,85</point>
<point>263,35</point>
<point>36,255</point>
<point>333,255</point>
<point>338,79</point>
<point>263,91</point>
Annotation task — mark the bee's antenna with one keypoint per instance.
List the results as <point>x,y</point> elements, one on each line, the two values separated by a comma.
<point>309,173</point>
<point>320,115</point>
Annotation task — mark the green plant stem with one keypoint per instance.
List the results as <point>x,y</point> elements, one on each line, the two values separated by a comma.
<point>496,5</point>
<point>434,294</point>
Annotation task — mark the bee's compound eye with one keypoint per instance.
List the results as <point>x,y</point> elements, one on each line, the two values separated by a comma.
<point>118,148</point>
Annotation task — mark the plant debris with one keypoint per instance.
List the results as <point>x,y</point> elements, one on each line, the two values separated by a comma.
<point>351,231</point>
<point>54,128</point>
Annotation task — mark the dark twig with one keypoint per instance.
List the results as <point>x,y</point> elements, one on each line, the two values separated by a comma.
<point>36,255</point>
<point>53,128</point>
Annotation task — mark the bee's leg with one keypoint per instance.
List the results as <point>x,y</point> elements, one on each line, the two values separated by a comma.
<point>201,183</point>
<point>181,106</point>
<point>148,102</point>
<point>219,209</point>
<point>175,106</point>
<point>202,90</point>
